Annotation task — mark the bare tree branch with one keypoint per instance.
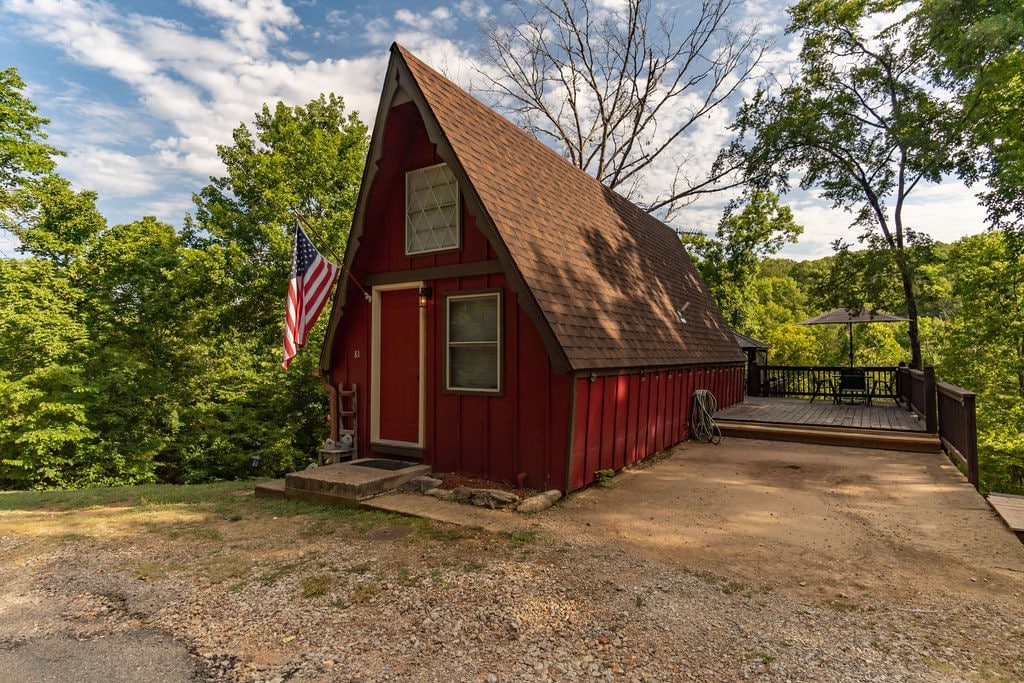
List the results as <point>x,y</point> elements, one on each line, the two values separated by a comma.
<point>619,91</point>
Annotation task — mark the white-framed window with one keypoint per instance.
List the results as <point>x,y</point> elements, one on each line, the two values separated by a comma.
<point>473,342</point>
<point>431,210</point>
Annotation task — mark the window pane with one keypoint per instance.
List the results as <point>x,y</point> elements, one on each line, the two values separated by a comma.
<point>473,320</point>
<point>473,367</point>
<point>432,210</point>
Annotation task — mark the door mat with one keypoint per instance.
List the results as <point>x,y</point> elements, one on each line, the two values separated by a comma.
<point>381,464</point>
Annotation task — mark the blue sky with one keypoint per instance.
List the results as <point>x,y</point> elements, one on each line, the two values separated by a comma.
<point>140,93</point>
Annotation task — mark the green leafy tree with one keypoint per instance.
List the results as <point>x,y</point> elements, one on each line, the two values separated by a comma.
<point>729,262</point>
<point>131,353</point>
<point>56,222</point>
<point>23,154</point>
<point>982,349</point>
<point>861,124</point>
<point>977,51</point>
<point>307,158</point>
<point>43,396</point>
<point>986,331</point>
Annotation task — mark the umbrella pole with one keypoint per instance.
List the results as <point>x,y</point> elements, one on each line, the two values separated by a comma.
<point>850,325</point>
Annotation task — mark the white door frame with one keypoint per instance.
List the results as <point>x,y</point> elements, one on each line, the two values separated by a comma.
<point>375,368</point>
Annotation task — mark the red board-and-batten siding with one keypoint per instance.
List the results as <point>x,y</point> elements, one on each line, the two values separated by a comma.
<point>556,429</point>
<point>620,419</point>
<point>525,429</point>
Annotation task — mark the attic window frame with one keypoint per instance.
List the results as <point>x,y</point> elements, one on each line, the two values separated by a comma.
<point>456,229</point>
<point>498,343</point>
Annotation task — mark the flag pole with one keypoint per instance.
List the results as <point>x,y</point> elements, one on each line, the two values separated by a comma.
<point>337,259</point>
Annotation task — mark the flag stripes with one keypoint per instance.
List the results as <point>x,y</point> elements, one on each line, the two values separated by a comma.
<point>309,288</point>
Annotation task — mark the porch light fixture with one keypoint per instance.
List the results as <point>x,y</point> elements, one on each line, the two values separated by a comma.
<point>426,293</point>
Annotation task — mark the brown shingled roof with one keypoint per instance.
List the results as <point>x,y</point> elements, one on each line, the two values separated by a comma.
<point>604,278</point>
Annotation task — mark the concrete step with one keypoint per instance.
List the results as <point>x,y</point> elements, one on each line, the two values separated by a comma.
<point>270,489</point>
<point>915,442</point>
<point>348,482</point>
<point>461,514</point>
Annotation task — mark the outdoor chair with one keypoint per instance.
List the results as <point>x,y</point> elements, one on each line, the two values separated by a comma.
<point>825,388</point>
<point>853,387</point>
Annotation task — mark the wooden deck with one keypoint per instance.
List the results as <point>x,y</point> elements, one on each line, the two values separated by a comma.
<point>883,425</point>
<point>882,415</point>
<point>1011,509</point>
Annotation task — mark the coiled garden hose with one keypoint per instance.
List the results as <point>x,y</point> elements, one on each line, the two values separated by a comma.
<point>703,422</point>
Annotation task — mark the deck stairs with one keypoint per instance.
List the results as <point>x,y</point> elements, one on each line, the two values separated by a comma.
<point>345,483</point>
<point>916,442</point>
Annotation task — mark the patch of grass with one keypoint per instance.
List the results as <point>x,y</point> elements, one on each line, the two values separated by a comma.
<point>363,593</point>
<point>320,526</point>
<point>272,576</point>
<point>726,586</point>
<point>702,574</point>
<point>316,585</point>
<point>518,539</point>
<point>220,568</point>
<point>427,531</point>
<point>405,577</point>
<point>123,496</point>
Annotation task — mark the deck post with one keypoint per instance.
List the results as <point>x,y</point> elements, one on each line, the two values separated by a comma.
<point>931,411</point>
<point>753,378</point>
<point>971,439</point>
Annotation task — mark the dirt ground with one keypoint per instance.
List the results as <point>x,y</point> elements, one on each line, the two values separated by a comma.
<point>749,560</point>
<point>821,521</point>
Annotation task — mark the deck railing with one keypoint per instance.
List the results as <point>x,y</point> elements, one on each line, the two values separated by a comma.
<point>958,428</point>
<point>915,389</point>
<point>805,381</point>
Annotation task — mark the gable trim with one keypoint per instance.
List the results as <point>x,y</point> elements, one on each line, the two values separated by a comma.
<point>389,91</point>
<point>434,273</point>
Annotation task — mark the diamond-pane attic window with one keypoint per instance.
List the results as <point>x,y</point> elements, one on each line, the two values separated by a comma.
<point>431,210</point>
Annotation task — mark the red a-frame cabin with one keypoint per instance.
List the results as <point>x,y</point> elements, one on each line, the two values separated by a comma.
<point>525,322</point>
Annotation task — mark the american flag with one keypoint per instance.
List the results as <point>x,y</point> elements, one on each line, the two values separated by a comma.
<point>308,291</point>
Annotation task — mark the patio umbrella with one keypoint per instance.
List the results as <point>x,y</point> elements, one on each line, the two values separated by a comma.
<point>846,317</point>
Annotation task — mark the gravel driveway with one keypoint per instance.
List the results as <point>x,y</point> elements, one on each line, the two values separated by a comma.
<point>746,561</point>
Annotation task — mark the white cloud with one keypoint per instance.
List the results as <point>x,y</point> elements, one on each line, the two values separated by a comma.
<point>112,174</point>
<point>194,86</point>
<point>199,87</point>
<point>473,9</point>
<point>251,24</point>
<point>337,17</point>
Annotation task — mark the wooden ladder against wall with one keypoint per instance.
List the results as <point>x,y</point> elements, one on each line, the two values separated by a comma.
<point>348,426</point>
<point>348,418</point>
